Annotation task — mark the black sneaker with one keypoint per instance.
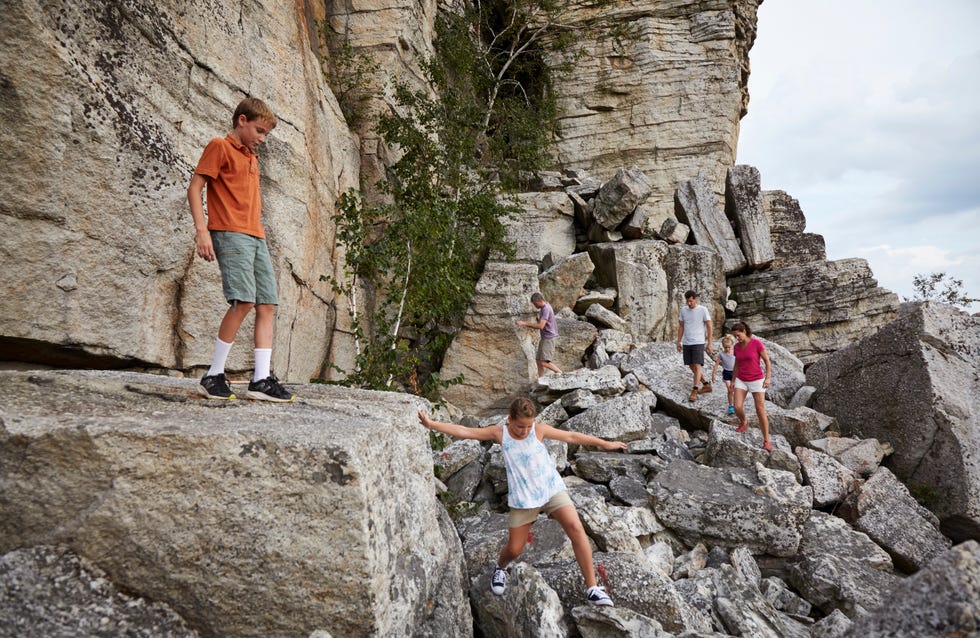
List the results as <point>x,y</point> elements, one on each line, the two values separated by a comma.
<point>216,387</point>
<point>498,581</point>
<point>268,389</point>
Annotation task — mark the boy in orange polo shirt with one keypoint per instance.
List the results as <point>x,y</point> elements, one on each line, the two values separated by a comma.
<point>233,234</point>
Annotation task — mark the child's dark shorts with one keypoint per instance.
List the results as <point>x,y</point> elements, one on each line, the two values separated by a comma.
<point>727,375</point>
<point>246,268</point>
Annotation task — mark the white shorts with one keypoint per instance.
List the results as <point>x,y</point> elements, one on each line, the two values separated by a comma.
<point>755,387</point>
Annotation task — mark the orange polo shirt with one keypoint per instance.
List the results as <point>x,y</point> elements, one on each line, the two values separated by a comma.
<point>234,198</point>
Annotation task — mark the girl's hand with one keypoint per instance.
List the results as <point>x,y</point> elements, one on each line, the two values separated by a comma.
<point>425,420</point>
<point>612,446</point>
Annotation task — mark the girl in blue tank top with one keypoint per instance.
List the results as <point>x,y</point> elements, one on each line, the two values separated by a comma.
<point>534,486</point>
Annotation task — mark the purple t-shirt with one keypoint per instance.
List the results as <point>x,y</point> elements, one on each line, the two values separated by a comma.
<point>550,330</point>
<point>747,360</point>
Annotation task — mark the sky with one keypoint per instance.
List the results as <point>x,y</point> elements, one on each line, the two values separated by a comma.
<point>868,113</point>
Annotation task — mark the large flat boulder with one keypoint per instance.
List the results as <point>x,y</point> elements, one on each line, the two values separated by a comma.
<point>247,519</point>
<point>914,384</point>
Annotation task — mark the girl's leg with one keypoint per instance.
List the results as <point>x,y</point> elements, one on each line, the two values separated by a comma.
<point>760,410</point>
<point>730,386</point>
<point>568,518</point>
<point>515,545</point>
<point>740,409</point>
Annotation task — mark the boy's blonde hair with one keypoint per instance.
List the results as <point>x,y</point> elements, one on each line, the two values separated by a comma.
<point>728,339</point>
<point>254,109</point>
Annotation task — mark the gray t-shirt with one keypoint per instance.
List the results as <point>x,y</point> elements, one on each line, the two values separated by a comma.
<point>693,320</point>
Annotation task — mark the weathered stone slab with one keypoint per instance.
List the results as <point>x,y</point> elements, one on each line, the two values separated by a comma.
<point>791,246</point>
<point>813,309</point>
<point>620,196</point>
<point>544,230</point>
<point>931,351</point>
<point>650,278</point>
<point>494,355</point>
<point>697,206</point>
<point>48,591</point>
<point>743,205</point>
<point>623,418</point>
<point>940,601</point>
<point>830,480</point>
<point>528,606</point>
<point>194,503</point>
<point>605,318</point>
<point>562,284</point>
<point>764,510</point>
<point>882,501</point>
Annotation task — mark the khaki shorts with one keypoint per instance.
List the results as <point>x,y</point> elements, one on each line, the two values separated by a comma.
<point>520,518</point>
<point>546,350</point>
<point>246,268</point>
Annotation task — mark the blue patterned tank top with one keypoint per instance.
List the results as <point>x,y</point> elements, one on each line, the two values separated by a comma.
<point>531,475</point>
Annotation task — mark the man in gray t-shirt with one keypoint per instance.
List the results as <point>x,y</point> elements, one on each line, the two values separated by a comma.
<point>548,326</point>
<point>694,339</point>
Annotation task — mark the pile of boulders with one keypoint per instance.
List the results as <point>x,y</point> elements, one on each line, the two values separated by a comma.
<point>698,531</point>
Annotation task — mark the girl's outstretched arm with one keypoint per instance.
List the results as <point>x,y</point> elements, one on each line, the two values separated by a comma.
<point>577,438</point>
<point>489,433</point>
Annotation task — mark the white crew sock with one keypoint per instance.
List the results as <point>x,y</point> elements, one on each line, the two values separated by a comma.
<point>263,363</point>
<point>221,350</point>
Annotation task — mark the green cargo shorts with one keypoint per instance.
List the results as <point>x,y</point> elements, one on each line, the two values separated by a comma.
<point>246,268</point>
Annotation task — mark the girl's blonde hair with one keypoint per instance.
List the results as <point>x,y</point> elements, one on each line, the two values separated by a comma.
<point>728,339</point>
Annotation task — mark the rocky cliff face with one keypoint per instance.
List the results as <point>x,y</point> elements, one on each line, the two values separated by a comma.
<point>105,109</point>
<point>665,95</point>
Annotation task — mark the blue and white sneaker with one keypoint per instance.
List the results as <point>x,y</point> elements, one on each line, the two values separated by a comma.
<point>498,582</point>
<point>598,596</point>
<point>731,409</point>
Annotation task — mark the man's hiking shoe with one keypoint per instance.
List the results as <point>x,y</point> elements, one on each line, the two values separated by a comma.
<point>598,596</point>
<point>705,389</point>
<point>742,428</point>
<point>731,409</point>
<point>498,581</point>
<point>694,395</point>
<point>216,387</point>
<point>268,389</point>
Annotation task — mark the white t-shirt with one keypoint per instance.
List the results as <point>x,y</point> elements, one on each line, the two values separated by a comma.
<point>693,320</point>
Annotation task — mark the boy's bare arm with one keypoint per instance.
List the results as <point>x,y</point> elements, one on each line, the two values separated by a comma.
<point>578,438</point>
<point>205,249</point>
<point>489,433</point>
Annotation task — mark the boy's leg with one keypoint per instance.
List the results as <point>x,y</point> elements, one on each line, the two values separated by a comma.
<point>568,518</point>
<point>233,319</point>
<point>265,319</point>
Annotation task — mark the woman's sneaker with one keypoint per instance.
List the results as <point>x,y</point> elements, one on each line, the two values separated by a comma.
<point>598,596</point>
<point>498,582</point>
<point>216,387</point>
<point>268,389</point>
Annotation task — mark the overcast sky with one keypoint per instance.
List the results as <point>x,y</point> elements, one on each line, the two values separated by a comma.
<point>868,113</point>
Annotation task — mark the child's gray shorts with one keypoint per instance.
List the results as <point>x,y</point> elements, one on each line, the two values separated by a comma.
<point>246,268</point>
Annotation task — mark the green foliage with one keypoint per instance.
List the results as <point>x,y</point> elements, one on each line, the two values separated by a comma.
<point>942,288</point>
<point>926,495</point>
<point>487,120</point>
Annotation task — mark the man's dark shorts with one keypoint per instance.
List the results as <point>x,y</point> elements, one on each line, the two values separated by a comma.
<point>694,354</point>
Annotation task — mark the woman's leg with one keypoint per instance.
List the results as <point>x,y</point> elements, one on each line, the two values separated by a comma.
<point>740,407</point>
<point>568,518</point>
<point>760,410</point>
<point>515,545</point>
